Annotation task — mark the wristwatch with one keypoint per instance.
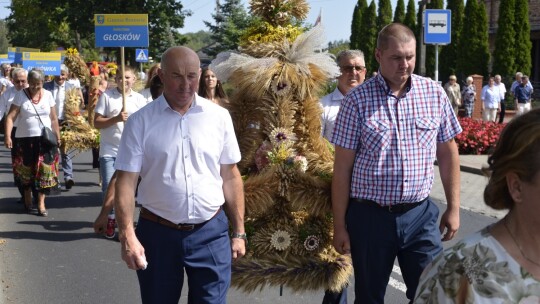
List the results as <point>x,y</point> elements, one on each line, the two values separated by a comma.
<point>243,236</point>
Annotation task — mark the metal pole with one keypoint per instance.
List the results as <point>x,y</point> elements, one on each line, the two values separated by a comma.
<point>122,67</point>
<point>422,45</point>
<point>436,62</point>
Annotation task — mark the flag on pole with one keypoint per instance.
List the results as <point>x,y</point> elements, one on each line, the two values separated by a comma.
<point>319,18</point>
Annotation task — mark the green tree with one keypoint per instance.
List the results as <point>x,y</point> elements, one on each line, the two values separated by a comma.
<point>430,48</point>
<point>384,16</point>
<point>410,15</point>
<point>4,43</point>
<point>503,55</point>
<point>399,13</point>
<point>52,23</point>
<point>473,45</point>
<point>231,19</point>
<point>449,53</point>
<point>523,45</point>
<point>369,26</point>
<point>356,24</point>
<point>334,47</point>
<point>199,40</point>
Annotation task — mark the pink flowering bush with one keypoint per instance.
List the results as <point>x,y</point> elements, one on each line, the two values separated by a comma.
<point>478,137</point>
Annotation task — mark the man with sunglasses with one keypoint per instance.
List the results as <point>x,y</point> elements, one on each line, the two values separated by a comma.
<point>353,72</point>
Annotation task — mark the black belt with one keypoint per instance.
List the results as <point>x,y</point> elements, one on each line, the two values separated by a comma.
<point>149,215</point>
<point>396,208</point>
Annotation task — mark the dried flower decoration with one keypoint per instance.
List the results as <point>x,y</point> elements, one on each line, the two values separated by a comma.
<point>280,240</point>
<point>261,155</point>
<point>311,243</point>
<point>281,136</point>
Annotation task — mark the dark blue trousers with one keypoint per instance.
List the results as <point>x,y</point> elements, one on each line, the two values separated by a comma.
<point>204,253</point>
<point>378,237</point>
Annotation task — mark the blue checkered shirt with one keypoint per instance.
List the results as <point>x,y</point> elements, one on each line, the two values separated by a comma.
<point>395,139</point>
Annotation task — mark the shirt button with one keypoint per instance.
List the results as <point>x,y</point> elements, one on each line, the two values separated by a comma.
<point>185,156</point>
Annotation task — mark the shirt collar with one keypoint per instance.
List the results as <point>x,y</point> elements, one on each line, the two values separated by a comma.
<point>382,83</point>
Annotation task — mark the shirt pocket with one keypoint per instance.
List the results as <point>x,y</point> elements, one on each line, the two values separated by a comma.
<point>376,135</point>
<point>426,131</point>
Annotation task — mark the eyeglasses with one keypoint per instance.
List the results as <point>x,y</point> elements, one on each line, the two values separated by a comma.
<point>350,68</point>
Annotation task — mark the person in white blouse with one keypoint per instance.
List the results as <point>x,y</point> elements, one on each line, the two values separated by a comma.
<point>36,164</point>
<point>353,72</point>
<point>490,101</point>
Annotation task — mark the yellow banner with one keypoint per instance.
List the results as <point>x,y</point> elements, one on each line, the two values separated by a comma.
<point>3,56</point>
<point>22,49</point>
<point>41,56</point>
<point>120,19</point>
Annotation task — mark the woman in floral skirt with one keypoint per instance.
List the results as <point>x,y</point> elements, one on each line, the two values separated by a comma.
<point>35,165</point>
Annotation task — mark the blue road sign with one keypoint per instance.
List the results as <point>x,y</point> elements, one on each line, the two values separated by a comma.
<point>437,26</point>
<point>117,30</point>
<point>141,55</point>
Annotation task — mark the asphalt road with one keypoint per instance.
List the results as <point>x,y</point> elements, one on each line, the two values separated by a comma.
<point>60,260</point>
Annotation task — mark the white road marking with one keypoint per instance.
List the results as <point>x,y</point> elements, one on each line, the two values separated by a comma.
<point>395,283</point>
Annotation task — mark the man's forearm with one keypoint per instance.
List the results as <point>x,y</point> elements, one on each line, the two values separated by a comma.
<point>124,203</point>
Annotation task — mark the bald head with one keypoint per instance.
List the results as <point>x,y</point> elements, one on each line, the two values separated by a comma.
<point>397,31</point>
<point>180,71</point>
<point>179,53</point>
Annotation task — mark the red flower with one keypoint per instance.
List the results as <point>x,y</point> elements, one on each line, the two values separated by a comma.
<point>478,137</point>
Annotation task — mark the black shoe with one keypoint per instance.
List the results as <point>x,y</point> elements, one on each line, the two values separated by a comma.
<point>69,183</point>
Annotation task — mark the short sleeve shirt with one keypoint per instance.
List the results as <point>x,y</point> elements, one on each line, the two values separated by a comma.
<point>110,105</point>
<point>28,122</point>
<point>395,139</point>
<point>179,158</point>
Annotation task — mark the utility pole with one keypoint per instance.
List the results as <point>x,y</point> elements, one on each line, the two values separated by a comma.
<point>422,6</point>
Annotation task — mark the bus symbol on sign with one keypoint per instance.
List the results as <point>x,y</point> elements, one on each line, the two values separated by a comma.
<point>434,23</point>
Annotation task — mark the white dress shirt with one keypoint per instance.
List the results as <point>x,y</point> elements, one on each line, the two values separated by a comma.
<point>179,158</point>
<point>330,104</point>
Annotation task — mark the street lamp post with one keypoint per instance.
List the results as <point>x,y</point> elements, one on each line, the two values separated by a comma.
<point>422,6</point>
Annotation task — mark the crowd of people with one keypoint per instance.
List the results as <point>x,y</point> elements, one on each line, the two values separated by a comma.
<point>386,131</point>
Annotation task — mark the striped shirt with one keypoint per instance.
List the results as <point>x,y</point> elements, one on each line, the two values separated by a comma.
<point>395,138</point>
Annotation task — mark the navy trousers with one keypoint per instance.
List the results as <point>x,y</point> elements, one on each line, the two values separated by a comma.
<point>378,236</point>
<point>204,253</point>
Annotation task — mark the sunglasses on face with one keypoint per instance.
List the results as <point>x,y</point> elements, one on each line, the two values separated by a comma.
<point>350,68</point>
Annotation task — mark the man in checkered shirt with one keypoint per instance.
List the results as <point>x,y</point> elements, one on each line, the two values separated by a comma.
<point>387,135</point>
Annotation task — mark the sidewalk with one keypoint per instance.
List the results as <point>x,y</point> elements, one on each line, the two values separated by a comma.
<point>473,163</point>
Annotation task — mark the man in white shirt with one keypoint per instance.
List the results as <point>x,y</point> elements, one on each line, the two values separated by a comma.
<point>353,73</point>
<point>20,81</point>
<point>185,149</point>
<point>502,92</point>
<point>59,87</point>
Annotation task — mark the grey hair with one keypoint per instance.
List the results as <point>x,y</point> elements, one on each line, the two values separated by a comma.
<point>4,65</point>
<point>64,68</point>
<point>519,74</point>
<point>469,79</point>
<point>36,74</point>
<point>349,54</point>
<point>498,77</point>
<point>524,77</point>
<point>16,71</point>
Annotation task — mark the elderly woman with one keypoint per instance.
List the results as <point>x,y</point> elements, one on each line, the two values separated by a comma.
<point>468,96</point>
<point>500,263</point>
<point>490,100</point>
<point>452,90</point>
<point>211,88</point>
<point>35,164</point>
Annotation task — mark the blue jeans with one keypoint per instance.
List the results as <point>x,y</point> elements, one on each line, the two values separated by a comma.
<point>204,253</point>
<point>106,170</point>
<point>378,237</point>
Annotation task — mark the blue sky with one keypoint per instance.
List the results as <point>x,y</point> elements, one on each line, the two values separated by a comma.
<point>337,15</point>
